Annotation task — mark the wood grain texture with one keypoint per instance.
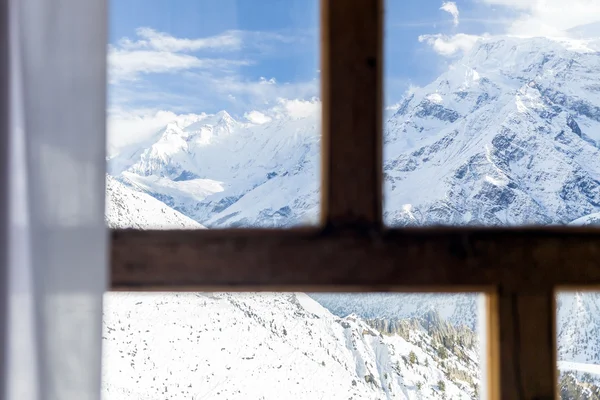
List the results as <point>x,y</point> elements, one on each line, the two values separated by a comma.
<point>407,260</point>
<point>491,365</point>
<point>524,324</point>
<point>352,60</point>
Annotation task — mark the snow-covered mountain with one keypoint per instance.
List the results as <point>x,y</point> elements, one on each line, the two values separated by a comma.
<point>222,172</point>
<point>509,135</point>
<point>276,346</point>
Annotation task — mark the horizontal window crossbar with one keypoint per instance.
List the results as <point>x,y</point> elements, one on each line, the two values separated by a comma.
<point>361,259</point>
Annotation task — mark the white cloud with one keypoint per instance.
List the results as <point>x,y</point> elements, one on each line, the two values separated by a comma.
<point>450,45</point>
<point>210,81</point>
<point>158,52</point>
<point>298,108</point>
<point>264,81</point>
<point>208,88</point>
<point>252,94</point>
<point>451,8</point>
<point>160,41</point>
<point>127,127</point>
<point>256,117</point>
<point>548,17</point>
<point>231,40</point>
<point>522,4</point>
<point>129,64</point>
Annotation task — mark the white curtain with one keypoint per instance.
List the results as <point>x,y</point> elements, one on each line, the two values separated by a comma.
<point>54,242</point>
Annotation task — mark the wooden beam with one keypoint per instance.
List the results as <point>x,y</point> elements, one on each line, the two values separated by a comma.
<point>408,260</point>
<point>523,347</point>
<point>352,60</point>
<point>490,364</point>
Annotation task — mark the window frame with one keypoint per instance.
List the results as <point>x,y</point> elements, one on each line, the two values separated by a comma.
<point>518,269</point>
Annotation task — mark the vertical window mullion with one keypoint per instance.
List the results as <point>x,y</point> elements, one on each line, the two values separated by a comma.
<point>522,345</point>
<point>351,73</point>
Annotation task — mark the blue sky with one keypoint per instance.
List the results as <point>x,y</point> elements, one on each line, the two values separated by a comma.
<point>270,39</point>
<point>172,57</point>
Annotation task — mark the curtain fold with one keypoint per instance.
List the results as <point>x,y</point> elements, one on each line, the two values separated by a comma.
<point>5,124</point>
<point>57,240</point>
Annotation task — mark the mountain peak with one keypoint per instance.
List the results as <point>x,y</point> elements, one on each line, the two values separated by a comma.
<point>224,117</point>
<point>224,114</point>
<point>222,121</point>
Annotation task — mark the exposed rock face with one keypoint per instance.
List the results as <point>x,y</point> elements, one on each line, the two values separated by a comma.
<point>510,139</point>
<point>572,388</point>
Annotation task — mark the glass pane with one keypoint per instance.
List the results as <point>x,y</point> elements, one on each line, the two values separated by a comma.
<point>493,113</point>
<point>291,346</point>
<point>213,122</point>
<point>213,114</point>
<point>492,118</point>
<point>578,337</point>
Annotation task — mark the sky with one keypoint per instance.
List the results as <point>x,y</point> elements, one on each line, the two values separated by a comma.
<point>171,58</point>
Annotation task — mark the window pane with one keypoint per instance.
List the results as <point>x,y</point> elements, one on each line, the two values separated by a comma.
<point>493,113</point>
<point>291,345</point>
<point>578,333</point>
<point>492,119</point>
<point>214,118</point>
<point>214,114</point>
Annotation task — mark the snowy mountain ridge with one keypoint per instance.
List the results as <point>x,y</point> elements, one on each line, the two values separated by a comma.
<point>221,172</point>
<point>508,136</point>
<point>127,208</point>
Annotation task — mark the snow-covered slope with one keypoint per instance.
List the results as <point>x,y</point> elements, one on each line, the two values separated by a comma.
<point>126,208</point>
<point>274,346</point>
<point>591,369</point>
<point>578,327</point>
<point>587,220</point>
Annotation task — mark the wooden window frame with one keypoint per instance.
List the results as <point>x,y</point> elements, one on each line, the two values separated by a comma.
<point>519,269</point>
